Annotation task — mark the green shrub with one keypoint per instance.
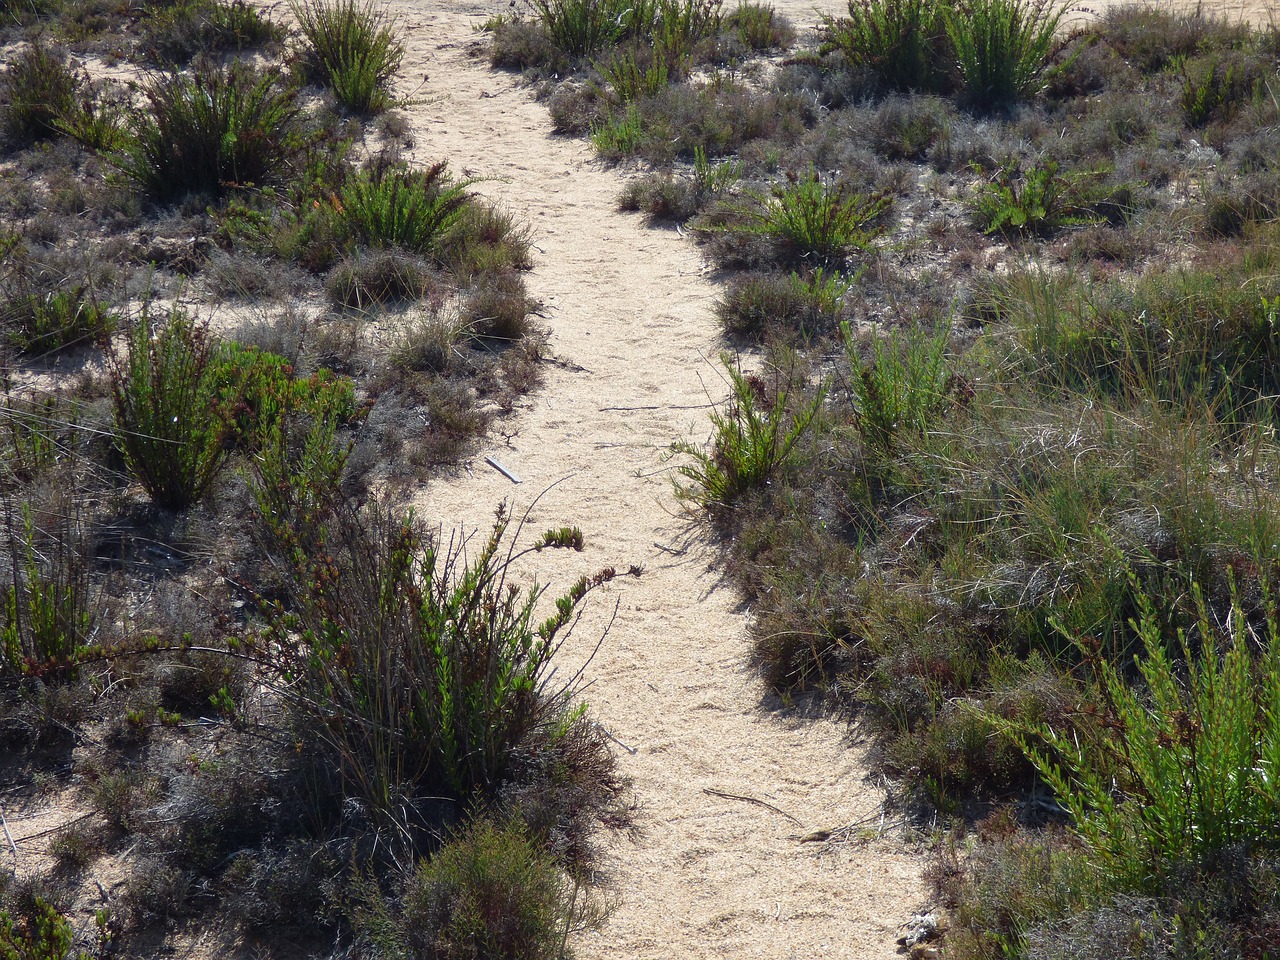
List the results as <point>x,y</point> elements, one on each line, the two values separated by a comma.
<point>750,442</point>
<point>619,135</point>
<point>810,219</point>
<point>46,615</point>
<point>417,668</point>
<point>36,90</point>
<point>173,424</point>
<point>401,207</point>
<point>759,27</point>
<point>352,48</point>
<point>1187,775</point>
<point>209,131</point>
<point>902,42</point>
<point>580,28</point>
<point>490,894</point>
<point>1003,47</point>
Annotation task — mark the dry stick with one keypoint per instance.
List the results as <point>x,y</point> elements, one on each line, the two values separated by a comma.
<point>758,802</point>
<point>61,826</point>
<point>493,462</point>
<point>7,835</point>
<point>660,406</point>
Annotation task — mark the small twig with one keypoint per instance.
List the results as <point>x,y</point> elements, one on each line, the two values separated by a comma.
<point>758,802</point>
<point>7,835</point>
<point>671,550</point>
<point>660,406</point>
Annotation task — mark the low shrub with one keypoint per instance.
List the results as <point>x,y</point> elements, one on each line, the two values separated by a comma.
<point>498,307</point>
<point>417,668</point>
<point>172,425</point>
<point>177,32</point>
<point>902,42</point>
<point>580,28</point>
<point>398,206</point>
<point>757,304</point>
<point>352,48</point>
<point>380,277</point>
<point>1003,47</point>
<point>491,893</point>
<point>1035,201</point>
<point>209,131</point>
<point>37,89</point>
<point>759,27</point>
<point>1184,779</point>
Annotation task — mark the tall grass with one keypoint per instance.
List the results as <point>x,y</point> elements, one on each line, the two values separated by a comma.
<point>809,218</point>
<point>582,27</point>
<point>352,48</point>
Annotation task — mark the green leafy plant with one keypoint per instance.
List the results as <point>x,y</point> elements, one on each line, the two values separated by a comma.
<point>619,135</point>
<point>633,76</point>
<point>209,131</point>
<point>903,387</point>
<point>45,934</point>
<point>809,218</point>
<point>402,207</point>
<point>1003,47</point>
<point>1189,772</point>
<point>750,442</point>
<point>352,48</point>
<point>902,42</point>
<point>36,90</point>
<point>1034,202</point>
<point>172,423</point>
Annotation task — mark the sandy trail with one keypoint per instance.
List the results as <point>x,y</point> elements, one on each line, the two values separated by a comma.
<point>630,314</point>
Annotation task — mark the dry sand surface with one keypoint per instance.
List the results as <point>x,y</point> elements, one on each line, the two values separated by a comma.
<point>630,314</point>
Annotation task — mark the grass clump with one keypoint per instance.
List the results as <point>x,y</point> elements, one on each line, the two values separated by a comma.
<point>38,324</point>
<point>37,89</point>
<point>810,219</point>
<point>750,442</point>
<point>209,132</point>
<point>46,609</point>
<point>351,48</point>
